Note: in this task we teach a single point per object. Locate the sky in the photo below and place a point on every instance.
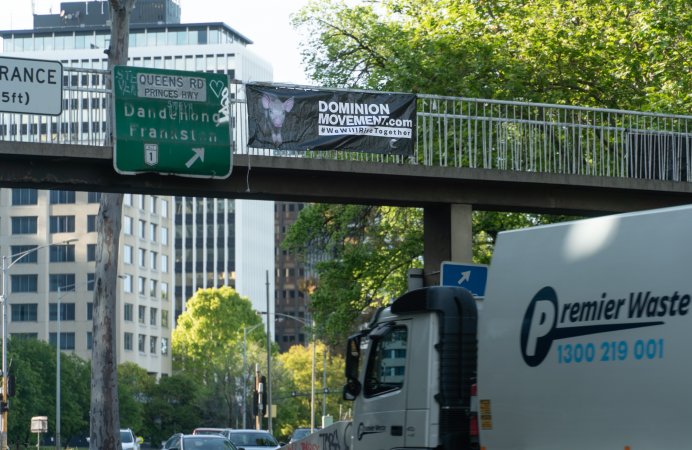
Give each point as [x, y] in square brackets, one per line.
[265, 22]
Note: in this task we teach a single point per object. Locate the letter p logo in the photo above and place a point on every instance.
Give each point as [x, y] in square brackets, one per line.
[537, 329]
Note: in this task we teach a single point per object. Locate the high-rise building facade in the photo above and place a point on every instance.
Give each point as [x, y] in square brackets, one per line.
[209, 242]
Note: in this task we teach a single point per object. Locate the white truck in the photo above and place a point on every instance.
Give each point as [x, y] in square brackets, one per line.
[581, 342]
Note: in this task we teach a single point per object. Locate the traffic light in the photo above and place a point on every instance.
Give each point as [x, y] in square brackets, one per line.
[263, 393]
[255, 403]
[4, 407]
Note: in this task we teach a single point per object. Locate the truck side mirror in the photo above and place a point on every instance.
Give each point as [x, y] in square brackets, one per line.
[351, 389]
[352, 357]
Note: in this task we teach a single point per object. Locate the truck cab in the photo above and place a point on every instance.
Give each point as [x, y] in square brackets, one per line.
[411, 371]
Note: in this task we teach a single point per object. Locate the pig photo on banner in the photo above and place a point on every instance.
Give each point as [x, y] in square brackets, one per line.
[287, 118]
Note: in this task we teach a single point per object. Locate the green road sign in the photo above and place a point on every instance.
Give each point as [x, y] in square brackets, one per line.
[171, 122]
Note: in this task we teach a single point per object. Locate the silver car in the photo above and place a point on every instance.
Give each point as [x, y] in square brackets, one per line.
[253, 440]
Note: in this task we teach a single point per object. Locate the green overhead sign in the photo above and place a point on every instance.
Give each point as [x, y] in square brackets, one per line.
[171, 122]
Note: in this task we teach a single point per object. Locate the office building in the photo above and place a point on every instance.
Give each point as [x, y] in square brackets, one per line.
[208, 242]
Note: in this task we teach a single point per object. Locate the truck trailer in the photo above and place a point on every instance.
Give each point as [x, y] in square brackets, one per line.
[581, 342]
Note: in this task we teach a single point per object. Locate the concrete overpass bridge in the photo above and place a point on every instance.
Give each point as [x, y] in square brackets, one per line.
[470, 154]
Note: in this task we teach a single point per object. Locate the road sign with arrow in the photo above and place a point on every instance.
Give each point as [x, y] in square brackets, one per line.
[470, 276]
[171, 122]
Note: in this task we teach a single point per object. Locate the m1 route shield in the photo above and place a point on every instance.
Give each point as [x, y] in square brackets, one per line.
[171, 122]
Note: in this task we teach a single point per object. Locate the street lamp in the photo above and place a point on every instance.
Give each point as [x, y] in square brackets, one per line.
[312, 391]
[246, 330]
[13, 259]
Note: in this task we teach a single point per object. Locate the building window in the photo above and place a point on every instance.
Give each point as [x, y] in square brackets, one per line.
[24, 197]
[91, 223]
[24, 225]
[61, 282]
[141, 285]
[94, 197]
[128, 312]
[26, 312]
[127, 341]
[152, 316]
[164, 263]
[90, 281]
[153, 256]
[62, 224]
[164, 346]
[152, 288]
[31, 256]
[62, 253]
[66, 340]
[164, 208]
[141, 344]
[91, 252]
[62, 197]
[66, 311]
[164, 318]
[90, 311]
[142, 257]
[142, 229]
[127, 254]
[164, 236]
[127, 198]
[142, 314]
[153, 349]
[127, 225]
[152, 205]
[164, 290]
[24, 283]
[152, 232]
[127, 283]
[90, 340]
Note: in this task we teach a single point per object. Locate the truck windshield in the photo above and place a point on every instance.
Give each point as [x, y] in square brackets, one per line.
[387, 362]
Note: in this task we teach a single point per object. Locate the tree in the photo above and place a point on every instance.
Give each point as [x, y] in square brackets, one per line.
[207, 343]
[613, 53]
[34, 363]
[173, 406]
[105, 422]
[367, 253]
[134, 385]
[295, 389]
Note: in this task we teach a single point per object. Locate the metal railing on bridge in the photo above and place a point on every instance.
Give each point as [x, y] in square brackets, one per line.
[451, 132]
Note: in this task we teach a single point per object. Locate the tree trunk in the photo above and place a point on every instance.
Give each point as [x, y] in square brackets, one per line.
[105, 417]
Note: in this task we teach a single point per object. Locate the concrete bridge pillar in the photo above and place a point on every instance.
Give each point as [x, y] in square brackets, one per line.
[447, 236]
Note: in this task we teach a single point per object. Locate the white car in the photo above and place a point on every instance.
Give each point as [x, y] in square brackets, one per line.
[128, 440]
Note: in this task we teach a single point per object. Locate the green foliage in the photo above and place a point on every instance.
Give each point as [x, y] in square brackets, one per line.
[134, 385]
[367, 252]
[33, 363]
[629, 54]
[208, 344]
[294, 412]
[173, 406]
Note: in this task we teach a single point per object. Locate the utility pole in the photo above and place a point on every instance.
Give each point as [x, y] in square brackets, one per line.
[104, 415]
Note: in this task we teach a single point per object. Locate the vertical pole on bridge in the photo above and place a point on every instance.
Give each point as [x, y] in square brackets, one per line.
[447, 236]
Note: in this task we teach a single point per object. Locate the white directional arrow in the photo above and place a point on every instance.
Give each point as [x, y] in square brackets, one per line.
[199, 154]
[465, 276]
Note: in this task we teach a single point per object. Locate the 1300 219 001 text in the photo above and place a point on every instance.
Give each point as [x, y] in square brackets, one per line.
[610, 351]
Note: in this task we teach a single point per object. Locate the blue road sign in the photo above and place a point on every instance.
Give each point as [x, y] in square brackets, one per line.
[470, 276]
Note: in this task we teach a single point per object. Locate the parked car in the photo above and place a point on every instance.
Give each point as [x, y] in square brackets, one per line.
[198, 442]
[128, 440]
[253, 440]
[226, 432]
